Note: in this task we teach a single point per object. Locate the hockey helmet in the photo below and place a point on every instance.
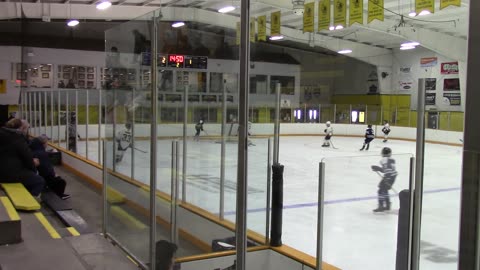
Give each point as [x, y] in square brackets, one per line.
[328, 123]
[369, 126]
[201, 121]
[386, 152]
[128, 125]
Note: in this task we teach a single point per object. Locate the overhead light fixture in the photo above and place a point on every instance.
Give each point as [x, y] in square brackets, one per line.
[346, 51]
[404, 48]
[178, 24]
[331, 28]
[412, 14]
[103, 5]
[226, 9]
[339, 27]
[73, 23]
[410, 44]
[276, 37]
[424, 12]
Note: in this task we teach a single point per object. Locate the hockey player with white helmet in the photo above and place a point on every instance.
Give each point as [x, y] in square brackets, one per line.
[328, 134]
[124, 141]
[385, 130]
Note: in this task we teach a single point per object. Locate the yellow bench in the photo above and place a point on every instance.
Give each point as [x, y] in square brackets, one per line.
[20, 197]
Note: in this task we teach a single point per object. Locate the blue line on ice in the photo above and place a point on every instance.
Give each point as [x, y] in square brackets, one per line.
[302, 205]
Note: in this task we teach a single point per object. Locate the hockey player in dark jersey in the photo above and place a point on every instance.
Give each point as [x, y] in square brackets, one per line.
[388, 178]
[198, 128]
[369, 136]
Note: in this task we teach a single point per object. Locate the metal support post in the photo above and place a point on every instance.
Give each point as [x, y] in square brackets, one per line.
[350, 115]
[60, 121]
[99, 121]
[269, 182]
[222, 152]
[320, 213]
[132, 124]
[34, 124]
[52, 106]
[173, 175]
[45, 111]
[411, 211]
[276, 128]
[67, 119]
[87, 116]
[104, 188]
[334, 113]
[184, 157]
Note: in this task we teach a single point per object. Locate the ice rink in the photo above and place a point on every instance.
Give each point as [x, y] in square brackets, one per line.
[354, 236]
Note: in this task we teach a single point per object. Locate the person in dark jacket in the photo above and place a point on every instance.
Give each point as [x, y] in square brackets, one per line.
[16, 160]
[45, 169]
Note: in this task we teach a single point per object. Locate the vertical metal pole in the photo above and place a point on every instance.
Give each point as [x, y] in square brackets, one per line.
[420, 149]
[269, 180]
[173, 213]
[76, 116]
[114, 125]
[153, 142]
[366, 113]
[104, 188]
[52, 106]
[45, 110]
[175, 194]
[320, 213]
[334, 113]
[350, 115]
[184, 158]
[40, 120]
[449, 119]
[87, 116]
[409, 117]
[242, 169]
[410, 212]
[438, 120]
[222, 152]
[276, 130]
[67, 120]
[132, 123]
[396, 115]
[34, 113]
[59, 120]
[99, 111]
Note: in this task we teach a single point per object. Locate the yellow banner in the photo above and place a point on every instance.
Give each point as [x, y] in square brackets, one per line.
[446, 3]
[375, 10]
[252, 30]
[275, 23]
[262, 28]
[238, 34]
[308, 17]
[339, 12]
[356, 12]
[323, 15]
[3, 86]
[422, 5]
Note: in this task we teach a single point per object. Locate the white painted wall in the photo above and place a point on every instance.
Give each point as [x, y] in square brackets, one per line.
[9, 55]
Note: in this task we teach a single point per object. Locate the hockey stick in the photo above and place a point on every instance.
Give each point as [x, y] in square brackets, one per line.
[140, 150]
[394, 190]
[333, 146]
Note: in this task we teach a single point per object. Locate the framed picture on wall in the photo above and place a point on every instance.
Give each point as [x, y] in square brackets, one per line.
[66, 69]
[46, 68]
[81, 69]
[431, 84]
[89, 84]
[90, 70]
[66, 76]
[81, 76]
[90, 76]
[34, 73]
[81, 83]
[45, 75]
[451, 84]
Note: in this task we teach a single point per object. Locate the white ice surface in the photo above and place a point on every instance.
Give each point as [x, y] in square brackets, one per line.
[354, 237]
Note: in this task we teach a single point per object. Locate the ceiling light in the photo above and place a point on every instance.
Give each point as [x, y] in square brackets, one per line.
[276, 37]
[412, 14]
[103, 5]
[403, 48]
[73, 23]
[410, 44]
[346, 51]
[331, 28]
[338, 27]
[226, 9]
[424, 12]
[178, 24]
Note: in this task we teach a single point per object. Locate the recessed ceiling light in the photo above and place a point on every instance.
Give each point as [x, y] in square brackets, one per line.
[404, 48]
[424, 12]
[276, 37]
[226, 9]
[103, 5]
[178, 24]
[410, 44]
[346, 51]
[338, 27]
[331, 28]
[73, 23]
[412, 14]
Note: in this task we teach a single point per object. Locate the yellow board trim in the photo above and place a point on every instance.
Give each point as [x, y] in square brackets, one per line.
[73, 231]
[127, 219]
[12, 213]
[48, 227]
[133, 261]
[20, 197]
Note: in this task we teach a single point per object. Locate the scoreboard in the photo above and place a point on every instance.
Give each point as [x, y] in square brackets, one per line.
[182, 61]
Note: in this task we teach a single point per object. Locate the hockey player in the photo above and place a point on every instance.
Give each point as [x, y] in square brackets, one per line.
[328, 134]
[369, 136]
[198, 128]
[72, 132]
[385, 130]
[124, 141]
[388, 178]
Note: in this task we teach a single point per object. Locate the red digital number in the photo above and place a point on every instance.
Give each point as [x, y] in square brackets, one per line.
[176, 58]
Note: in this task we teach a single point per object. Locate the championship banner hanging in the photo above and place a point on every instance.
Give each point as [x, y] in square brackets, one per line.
[446, 3]
[356, 12]
[339, 12]
[424, 5]
[308, 17]
[262, 28]
[238, 34]
[252, 29]
[375, 10]
[323, 15]
[275, 23]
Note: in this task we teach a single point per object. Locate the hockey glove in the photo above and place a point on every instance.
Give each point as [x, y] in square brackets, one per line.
[376, 168]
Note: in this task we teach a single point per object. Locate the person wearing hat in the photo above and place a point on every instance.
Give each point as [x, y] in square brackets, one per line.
[54, 182]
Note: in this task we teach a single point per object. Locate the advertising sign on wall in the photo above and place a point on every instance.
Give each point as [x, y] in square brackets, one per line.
[430, 84]
[451, 84]
[449, 68]
[453, 99]
[430, 98]
[428, 61]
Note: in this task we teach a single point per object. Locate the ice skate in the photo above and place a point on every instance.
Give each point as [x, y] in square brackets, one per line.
[363, 148]
[379, 209]
[385, 140]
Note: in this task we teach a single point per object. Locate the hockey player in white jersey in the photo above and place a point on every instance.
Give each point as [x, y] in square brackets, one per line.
[328, 134]
[385, 130]
[124, 141]
[388, 178]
